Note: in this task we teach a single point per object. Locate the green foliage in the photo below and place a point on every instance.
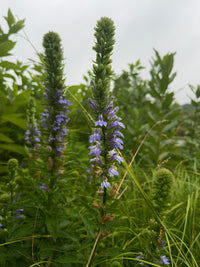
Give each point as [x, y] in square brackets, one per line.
[130, 92]
[191, 125]
[161, 144]
[148, 217]
[13, 97]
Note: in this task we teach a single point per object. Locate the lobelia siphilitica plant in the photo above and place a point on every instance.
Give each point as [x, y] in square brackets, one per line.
[160, 197]
[106, 138]
[32, 135]
[54, 117]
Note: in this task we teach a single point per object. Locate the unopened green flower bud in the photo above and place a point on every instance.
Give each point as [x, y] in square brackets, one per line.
[161, 188]
[12, 165]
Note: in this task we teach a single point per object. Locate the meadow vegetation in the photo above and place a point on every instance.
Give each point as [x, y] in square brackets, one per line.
[102, 173]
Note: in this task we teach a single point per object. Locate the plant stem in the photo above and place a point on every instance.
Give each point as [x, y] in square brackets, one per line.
[93, 249]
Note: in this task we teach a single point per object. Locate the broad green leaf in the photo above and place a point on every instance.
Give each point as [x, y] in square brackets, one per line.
[15, 119]
[5, 47]
[8, 65]
[52, 226]
[12, 147]
[6, 139]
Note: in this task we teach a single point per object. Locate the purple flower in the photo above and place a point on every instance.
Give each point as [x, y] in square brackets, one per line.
[96, 136]
[44, 187]
[116, 123]
[18, 210]
[17, 197]
[101, 122]
[45, 114]
[60, 148]
[113, 113]
[115, 156]
[1, 225]
[140, 257]
[95, 150]
[164, 260]
[97, 160]
[115, 133]
[112, 171]
[32, 136]
[18, 217]
[105, 184]
[108, 108]
[92, 104]
[116, 143]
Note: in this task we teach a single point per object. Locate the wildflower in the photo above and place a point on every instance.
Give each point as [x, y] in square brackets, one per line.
[17, 197]
[101, 122]
[18, 217]
[108, 108]
[96, 136]
[106, 138]
[97, 160]
[112, 171]
[116, 123]
[32, 135]
[44, 187]
[54, 118]
[92, 104]
[1, 225]
[140, 257]
[115, 156]
[113, 113]
[105, 184]
[164, 260]
[115, 133]
[115, 143]
[18, 210]
[95, 150]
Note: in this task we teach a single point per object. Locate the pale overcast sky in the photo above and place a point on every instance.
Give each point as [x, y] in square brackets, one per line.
[141, 25]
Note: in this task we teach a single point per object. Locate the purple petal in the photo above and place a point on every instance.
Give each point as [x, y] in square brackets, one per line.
[105, 184]
[100, 122]
[112, 171]
[92, 104]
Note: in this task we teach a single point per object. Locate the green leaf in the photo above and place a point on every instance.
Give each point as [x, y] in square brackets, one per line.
[52, 226]
[4, 138]
[14, 148]
[88, 227]
[17, 27]
[10, 18]
[15, 119]
[5, 47]
[8, 65]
